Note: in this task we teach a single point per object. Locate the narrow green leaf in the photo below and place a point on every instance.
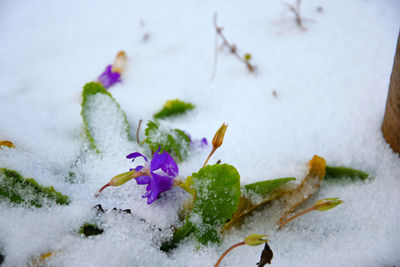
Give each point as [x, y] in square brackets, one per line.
[344, 172]
[27, 191]
[264, 188]
[105, 122]
[292, 197]
[174, 141]
[173, 108]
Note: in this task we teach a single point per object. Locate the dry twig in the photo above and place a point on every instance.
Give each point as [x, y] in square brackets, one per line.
[296, 12]
[232, 49]
[137, 132]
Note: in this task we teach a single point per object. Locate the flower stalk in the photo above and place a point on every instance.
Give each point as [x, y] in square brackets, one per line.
[321, 205]
[251, 240]
[227, 251]
[217, 141]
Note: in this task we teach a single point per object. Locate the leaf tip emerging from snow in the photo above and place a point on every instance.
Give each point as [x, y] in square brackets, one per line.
[174, 108]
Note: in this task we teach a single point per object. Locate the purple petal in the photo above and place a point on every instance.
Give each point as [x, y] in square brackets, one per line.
[152, 197]
[108, 78]
[165, 162]
[157, 161]
[158, 184]
[135, 155]
[170, 166]
[138, 168]
[144, 179]
[161, 183]
[204, 141]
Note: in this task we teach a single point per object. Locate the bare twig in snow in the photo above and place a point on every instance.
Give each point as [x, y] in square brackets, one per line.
[296, 12]
[232, 49]
[137, 132]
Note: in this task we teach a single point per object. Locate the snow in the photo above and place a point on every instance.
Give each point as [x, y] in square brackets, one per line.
[331, 83]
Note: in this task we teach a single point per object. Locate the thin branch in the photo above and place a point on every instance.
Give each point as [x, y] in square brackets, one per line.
[215, 50]
[137, 132]
[232, 48]
[296, 12]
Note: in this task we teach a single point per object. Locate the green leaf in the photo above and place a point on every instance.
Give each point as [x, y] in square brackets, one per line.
[89, 229]
[173, 108]
[27, 191]
[105, 122]
[217, 198]
[178, 236]
[264, 188]
[174, 141]
[344, 172]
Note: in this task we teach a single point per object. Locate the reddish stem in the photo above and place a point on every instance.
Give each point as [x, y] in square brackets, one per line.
[227, 251]
[209, 156]
[283, 222]
[101, 189]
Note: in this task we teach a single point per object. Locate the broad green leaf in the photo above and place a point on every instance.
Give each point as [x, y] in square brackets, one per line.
[105, 122]
[89, 229]
[174, 141]
[264, 188]
[217, 190]
[217, 198]
[344, 172]
[19, 190]
[173, 108]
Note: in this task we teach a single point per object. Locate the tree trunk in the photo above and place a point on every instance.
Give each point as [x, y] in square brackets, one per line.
[391, 121]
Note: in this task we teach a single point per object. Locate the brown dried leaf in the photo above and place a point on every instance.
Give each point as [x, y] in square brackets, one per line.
[307, 188]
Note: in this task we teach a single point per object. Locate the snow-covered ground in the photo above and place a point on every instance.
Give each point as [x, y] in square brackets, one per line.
[331, 84]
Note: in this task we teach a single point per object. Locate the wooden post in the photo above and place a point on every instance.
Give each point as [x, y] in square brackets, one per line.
[391, 121]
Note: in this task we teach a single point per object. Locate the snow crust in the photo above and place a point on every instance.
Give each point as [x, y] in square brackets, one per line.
[331, 83]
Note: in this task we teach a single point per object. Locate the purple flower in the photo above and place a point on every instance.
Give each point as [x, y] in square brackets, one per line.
[108, 78]
[194, 144]
[159, 174]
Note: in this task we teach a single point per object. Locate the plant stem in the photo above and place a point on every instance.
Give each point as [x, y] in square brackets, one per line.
[209, 156]
[137, 132]
[227, 251]
[282, 223]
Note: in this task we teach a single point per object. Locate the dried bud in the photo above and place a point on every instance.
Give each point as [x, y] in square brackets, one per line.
[119, 63]
[7, 144]
[266, 256]
[219, 136]
[327, 204]
[255, 239]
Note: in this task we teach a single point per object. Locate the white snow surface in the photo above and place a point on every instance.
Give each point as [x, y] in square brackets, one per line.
[331, 83]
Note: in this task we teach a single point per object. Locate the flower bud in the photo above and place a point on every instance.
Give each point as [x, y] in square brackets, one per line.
[122, 178]
[219, 136]
[327, 204]
[120, 62]
[7, 144]
[255, 239]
